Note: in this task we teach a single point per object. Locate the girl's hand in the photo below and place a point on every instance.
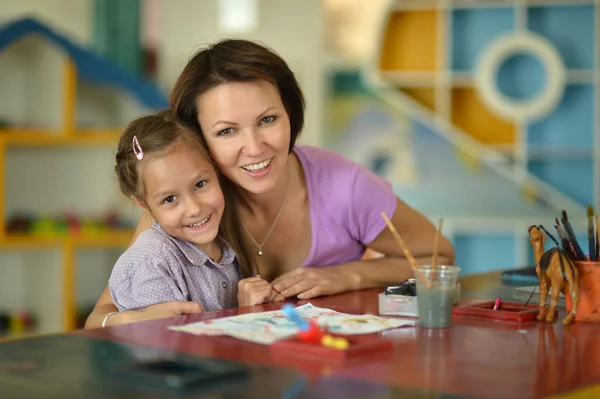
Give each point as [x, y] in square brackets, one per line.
[254, 291]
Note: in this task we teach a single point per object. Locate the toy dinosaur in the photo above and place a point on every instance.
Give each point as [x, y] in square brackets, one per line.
[556, 271]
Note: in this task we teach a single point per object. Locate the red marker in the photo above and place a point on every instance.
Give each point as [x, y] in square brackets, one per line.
[497, 304]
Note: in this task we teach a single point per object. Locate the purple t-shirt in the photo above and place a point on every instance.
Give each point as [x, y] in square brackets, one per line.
[346, 201]
[160, 268]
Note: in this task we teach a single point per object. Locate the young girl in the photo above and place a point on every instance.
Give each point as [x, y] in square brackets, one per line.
[166, 170]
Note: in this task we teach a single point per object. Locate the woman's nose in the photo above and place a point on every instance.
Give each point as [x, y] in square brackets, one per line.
[253, 144]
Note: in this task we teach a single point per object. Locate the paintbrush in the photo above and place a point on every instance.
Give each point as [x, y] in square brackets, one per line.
[571, 236]
[549, 235]
[566, 245]
[405, 249]
[597, 236]
[591, 238]
[436, 245]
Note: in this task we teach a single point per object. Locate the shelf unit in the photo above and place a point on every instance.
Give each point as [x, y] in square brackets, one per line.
[69, 136]
[429, 53]
[424, 66]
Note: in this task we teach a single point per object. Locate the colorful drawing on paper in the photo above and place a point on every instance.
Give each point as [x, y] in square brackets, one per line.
[268, 327]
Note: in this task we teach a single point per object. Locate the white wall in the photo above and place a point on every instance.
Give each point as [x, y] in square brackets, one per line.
[73, 17]
[293, 28]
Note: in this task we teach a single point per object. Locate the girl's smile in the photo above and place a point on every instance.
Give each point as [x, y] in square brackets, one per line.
[184, 196]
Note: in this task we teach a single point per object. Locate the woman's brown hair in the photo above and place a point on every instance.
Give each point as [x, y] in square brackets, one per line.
[236, 60]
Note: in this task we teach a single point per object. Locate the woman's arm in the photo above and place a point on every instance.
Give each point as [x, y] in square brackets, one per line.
[416, 230]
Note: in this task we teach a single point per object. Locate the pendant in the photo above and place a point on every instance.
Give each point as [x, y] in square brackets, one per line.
[259, 253]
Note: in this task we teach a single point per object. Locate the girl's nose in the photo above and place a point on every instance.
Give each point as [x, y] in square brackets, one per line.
[192, 208]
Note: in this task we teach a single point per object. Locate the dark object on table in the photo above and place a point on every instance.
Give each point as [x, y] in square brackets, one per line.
[522, 276]
[178, 374]
[407, 288]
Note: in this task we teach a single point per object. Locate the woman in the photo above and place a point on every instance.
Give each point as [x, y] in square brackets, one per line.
[305, 214]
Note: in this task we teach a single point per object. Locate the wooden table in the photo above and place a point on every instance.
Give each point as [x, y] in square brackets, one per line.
[473, 358]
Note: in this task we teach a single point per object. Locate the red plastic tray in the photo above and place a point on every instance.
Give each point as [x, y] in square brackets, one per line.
[509, 311]
[358, 345]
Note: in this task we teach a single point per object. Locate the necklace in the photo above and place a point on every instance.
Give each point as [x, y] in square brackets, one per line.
[260, 251]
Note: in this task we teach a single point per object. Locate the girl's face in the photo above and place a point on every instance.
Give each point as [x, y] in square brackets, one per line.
[183, 194]
[247, 131]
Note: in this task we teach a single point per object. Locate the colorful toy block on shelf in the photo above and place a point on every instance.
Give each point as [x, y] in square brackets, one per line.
[67, 225]
[16, 323]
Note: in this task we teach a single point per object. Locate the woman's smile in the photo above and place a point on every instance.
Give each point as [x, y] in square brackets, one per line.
[259, 169]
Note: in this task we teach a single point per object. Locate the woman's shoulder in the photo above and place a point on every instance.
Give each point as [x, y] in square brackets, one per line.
[323, 156]
[323, 165]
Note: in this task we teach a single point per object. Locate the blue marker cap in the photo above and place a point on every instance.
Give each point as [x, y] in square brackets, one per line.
[290, 312]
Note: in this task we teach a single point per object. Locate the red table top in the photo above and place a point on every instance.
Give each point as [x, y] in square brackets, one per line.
[473, 357]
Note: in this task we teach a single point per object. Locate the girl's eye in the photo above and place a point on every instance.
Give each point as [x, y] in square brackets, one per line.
[267, 120]
[169, 199]
[200, 184]
[225, 131]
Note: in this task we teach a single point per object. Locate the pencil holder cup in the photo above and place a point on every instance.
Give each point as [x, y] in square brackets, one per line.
[588, 308]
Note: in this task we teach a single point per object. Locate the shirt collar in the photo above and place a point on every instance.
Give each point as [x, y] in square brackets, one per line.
[194, 254]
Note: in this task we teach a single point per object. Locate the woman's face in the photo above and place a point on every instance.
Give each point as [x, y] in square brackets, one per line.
[247, 130]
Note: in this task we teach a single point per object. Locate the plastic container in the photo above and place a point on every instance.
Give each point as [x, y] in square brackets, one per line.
[435, 294]
[588, 308]
[403, 305]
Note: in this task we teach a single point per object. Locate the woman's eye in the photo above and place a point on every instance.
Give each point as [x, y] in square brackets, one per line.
[225, 131]
[169, 199]
[200, 184]
[267, 119]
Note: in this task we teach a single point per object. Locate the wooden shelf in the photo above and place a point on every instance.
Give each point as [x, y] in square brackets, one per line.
[47, 138]
[109, 239]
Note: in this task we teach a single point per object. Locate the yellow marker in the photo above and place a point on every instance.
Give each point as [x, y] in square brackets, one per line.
[329, 341]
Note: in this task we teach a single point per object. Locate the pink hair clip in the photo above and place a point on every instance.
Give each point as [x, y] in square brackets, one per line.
[137, 149]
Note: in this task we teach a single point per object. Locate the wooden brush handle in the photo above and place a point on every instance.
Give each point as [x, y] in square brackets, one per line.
[405, 249]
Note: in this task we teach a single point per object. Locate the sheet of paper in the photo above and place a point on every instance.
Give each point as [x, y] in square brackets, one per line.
[268, 327]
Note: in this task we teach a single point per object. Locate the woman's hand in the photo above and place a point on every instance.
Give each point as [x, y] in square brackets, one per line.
[158, 311]
[310, 282]
[255, 290]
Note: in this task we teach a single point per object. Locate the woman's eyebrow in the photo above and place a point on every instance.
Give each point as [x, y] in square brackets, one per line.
[225, 122]
[259, 116]
[265, 111]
